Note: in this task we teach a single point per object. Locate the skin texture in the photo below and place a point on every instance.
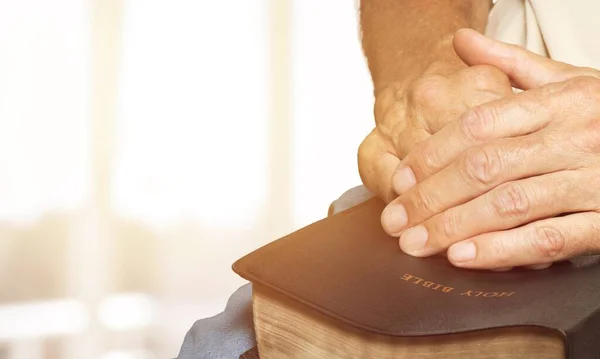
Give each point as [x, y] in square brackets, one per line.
[401, 38]
[420, 83]
[513, 181]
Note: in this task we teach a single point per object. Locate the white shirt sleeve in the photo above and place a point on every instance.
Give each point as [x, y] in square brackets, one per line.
[566, 31]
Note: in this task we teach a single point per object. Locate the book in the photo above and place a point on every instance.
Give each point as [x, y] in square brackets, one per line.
[341, 288]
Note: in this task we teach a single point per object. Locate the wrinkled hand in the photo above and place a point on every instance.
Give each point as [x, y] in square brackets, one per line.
[408, 113]
[512, 182]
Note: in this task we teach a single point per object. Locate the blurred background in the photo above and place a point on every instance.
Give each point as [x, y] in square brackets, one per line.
[145, 145]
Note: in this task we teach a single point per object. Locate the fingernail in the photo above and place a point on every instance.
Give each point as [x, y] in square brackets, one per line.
[413, 240]
[404, 179]
[462, 252]
[394, 219]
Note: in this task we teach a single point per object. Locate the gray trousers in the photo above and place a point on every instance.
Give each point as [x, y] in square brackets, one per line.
[229, 334]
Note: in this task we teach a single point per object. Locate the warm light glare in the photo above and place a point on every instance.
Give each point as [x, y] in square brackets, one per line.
[192, 134]
[126, 312]
[42, 319]
[332, 103]
[145, 145]
[44, 104]
[128, 354]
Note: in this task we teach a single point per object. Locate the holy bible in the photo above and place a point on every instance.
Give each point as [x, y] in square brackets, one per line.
[341, 288]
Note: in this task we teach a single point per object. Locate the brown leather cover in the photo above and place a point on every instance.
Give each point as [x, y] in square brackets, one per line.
[250, 354]
[346, 267]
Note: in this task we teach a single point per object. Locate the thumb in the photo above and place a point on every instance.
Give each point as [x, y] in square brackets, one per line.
[525, 69]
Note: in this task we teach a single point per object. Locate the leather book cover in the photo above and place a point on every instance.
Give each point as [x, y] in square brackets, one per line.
[250, 354]
[348, 268]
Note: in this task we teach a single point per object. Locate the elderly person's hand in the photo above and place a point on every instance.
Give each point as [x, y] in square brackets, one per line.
[512, 182]
[409, 112]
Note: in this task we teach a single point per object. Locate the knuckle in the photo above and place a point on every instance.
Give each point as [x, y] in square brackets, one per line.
[482, 165]
[585, 83]
[500, 250]
[583, 142]
[511, 201]
[423, 202]
[364, 149]
[592, 181]
[548, 242]
[369, 149]
[485, 77]
[427, 89]
[429, 160]
[384, 103]
[585, 89]
[370, 155]
[477, 123]
[589, 71]
[450, 224]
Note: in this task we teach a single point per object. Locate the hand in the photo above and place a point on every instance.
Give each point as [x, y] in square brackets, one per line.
[512, 182]
[408, 113]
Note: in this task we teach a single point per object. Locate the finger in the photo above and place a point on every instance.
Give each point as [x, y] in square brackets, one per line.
[480, 84]
[516, 115]
[475, 172]
[428, 103]
[433, 101]
[480, 169]
[532, 267]
[526, 69]
[507, 206]
[539, 266]
[376, 164]
[548, 240]
[407, 139]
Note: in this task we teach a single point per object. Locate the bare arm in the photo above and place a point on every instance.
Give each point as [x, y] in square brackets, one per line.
[420, 83]
[402, 38]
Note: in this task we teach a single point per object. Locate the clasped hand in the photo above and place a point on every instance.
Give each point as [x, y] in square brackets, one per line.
[514, 181]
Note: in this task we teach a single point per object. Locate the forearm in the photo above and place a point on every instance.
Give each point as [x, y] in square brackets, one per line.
[401, 38]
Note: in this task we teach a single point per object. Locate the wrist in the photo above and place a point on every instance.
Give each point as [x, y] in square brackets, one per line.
[441, 59]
